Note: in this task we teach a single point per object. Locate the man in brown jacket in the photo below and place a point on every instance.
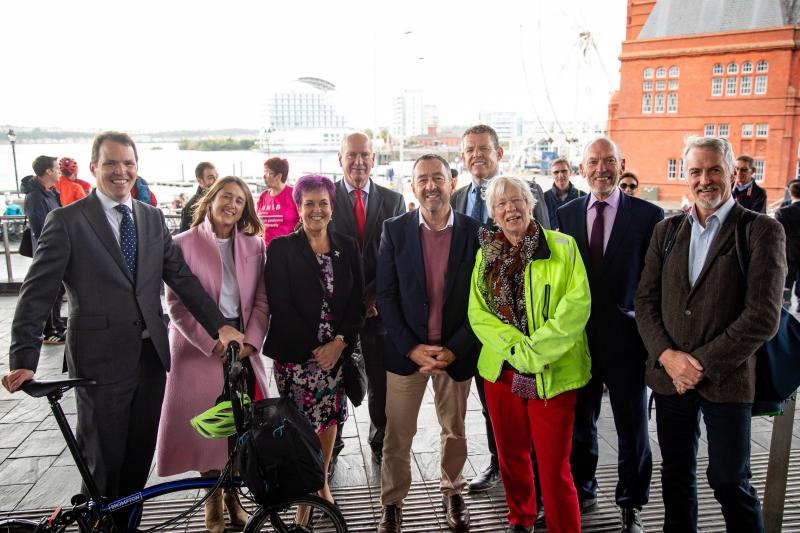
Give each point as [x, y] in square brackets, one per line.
[702, 320]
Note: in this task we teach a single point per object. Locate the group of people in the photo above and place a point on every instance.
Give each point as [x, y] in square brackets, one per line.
[543, 298]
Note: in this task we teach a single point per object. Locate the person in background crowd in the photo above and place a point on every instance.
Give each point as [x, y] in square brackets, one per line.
[68, 189]
[117, 334]
[225, 251]
[440, 245]
[562, 191]
[12, 208]
[206, 174]
[41, 197]
[612, 231]
[69, 168]
[411, 206]
[275, 206]
[628, 183]
[789, 217]
[315, 293]
[141, 191]
[528, 306]
[702, 320]
[360, 210]
[179, 201]
[745, 190]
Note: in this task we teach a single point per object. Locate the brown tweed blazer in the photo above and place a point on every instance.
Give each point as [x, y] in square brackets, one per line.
[724, 318]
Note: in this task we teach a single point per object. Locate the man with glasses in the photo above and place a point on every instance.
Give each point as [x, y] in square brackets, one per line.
[563, 190]
[628, 183]
[613, 231]
[745, 191]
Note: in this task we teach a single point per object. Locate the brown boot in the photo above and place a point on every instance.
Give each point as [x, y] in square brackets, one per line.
[236, 512]
[215, 519]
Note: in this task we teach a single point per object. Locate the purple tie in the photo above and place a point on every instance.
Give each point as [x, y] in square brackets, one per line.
[598, 234]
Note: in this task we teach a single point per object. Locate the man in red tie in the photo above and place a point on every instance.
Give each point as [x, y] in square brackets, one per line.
[360, 209]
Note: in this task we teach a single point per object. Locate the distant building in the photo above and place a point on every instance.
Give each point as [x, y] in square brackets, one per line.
[430, 116]
[723, 68]
[503, 122]
[408, 118]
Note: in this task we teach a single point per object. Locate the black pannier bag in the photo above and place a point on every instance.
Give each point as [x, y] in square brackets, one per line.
[280, 455]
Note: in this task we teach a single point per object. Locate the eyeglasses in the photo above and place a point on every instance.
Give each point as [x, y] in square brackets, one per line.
[516, 201]
[631, 186]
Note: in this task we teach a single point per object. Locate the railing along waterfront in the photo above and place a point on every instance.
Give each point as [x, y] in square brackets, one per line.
[12, 227]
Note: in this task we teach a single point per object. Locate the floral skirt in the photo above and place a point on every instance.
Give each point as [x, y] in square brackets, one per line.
[317, 392]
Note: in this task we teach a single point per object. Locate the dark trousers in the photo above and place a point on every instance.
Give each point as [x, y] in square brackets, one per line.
[118, 425]
[792, 278]
[728, 434]
[55, 324]
[628, 397]
[492, 445]
[372, 346]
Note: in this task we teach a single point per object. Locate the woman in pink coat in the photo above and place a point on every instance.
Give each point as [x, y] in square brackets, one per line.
[225, 251]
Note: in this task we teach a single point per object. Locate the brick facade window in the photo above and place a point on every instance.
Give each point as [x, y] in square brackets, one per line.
[708, 131]
[747, 130]
[648, 73]
[716, 86]
[717, 69]
[682, 175]
[674, 71]
[733, 68]
[659, 105]
[758, 175]
[671, 167]
[762, 66]
[661, 85]
[661, 72]
[747, 67]
[647, 103]
[761, 84]
[647, 85]
[746, 85]
[672, 103]
[723, 130]
[762, 130]
[673, 85]
[730, 86]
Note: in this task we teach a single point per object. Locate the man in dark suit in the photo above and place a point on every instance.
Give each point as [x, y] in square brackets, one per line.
[745, 190]
[562, 191]
[789, 217]
[612, 231]
[360, 209]
[424, 269]
[112, 264]
[206, 175]
[702, 319]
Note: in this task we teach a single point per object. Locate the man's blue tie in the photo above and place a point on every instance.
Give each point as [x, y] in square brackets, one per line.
[477, 207]
[127, 241]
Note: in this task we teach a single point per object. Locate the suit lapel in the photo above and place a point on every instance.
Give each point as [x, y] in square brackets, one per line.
[345, 218]
[619, 229]
[726, 233]
[457, 243]
[461, 201]
[374, 207]
[582, 237]
[415, 252]
[96, 216]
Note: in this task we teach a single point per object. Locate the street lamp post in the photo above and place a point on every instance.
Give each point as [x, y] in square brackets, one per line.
[12, 138]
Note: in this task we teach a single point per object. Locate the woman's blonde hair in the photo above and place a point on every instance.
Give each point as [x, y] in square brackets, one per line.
[249, 224]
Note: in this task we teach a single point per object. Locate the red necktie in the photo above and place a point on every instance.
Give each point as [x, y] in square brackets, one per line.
[361, 216]
[598, 235]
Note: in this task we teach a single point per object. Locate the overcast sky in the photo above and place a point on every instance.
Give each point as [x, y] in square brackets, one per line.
[154, 65]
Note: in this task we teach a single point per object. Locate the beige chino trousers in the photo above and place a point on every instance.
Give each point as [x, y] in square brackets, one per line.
[403, 400]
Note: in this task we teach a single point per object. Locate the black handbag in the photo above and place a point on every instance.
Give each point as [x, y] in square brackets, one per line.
[354, 376]
[778, 367]
[26, 244]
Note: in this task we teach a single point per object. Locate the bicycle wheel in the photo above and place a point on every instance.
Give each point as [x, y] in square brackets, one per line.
[321, 517]
[17, 526]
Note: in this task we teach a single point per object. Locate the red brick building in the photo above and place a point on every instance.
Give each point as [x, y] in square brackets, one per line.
[722, 67]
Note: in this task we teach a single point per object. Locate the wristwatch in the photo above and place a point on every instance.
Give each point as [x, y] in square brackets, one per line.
[341, 338]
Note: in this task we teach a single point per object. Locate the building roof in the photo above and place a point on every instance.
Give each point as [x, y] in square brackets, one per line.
[671, 18]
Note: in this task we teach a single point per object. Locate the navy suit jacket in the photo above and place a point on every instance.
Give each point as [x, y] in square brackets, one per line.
[612, 332]
[403, 298]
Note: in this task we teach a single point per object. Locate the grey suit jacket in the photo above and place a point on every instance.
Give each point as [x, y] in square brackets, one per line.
[458, 201]
[721, 320]
[108, 310]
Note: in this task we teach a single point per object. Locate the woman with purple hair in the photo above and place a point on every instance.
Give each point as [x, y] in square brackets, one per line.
[314, 288]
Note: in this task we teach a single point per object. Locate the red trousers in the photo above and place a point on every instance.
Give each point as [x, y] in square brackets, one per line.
[548, 423]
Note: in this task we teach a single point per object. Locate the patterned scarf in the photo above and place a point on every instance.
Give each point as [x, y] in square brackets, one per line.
[503, 264]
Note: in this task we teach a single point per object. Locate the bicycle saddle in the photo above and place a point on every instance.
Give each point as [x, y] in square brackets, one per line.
[37, 389]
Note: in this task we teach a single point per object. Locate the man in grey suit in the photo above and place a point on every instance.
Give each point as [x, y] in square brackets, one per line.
[702, 318]
[112, 264]
[359, 211]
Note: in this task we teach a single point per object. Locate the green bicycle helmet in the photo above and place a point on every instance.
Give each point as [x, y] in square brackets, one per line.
[217, 422]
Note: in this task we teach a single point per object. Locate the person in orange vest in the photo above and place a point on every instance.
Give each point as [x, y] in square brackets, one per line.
[68, 190]
[69, 168]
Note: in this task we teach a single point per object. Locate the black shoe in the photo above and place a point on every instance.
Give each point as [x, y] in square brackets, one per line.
[540, 521]
[377, 457]
[456, 513]
[391, 519]
[631, 521]
[485, 480]
[588, 505]
[516, 528]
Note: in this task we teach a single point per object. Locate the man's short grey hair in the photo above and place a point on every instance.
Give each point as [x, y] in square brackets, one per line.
[601, 138]
[343, 145]
[499, 184]
[717, 144]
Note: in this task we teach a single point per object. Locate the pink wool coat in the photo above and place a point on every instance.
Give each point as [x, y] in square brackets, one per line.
[195, 380]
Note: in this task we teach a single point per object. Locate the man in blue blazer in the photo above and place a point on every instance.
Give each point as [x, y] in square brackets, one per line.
[613, 231]
[425, 264]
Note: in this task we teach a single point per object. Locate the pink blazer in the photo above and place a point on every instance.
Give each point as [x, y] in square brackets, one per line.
[195, 380]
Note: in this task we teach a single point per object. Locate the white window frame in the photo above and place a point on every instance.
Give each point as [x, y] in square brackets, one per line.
[747, 130]
[672, 103]
[648, 73]
[682, 174]
[661, 85]
[760, 84]
[709, 130]
[716, 86]
[674, 71]
[723, 130]
[671, 169]
[762, 130]
[730, 86]
[760, 169]
[746, 85]
[659, 104]
[762, 66]
[747, 67]
[733, 68]
[673, 85]
[661, 72]
[717, 69]
[647, 103]
[647, 85]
